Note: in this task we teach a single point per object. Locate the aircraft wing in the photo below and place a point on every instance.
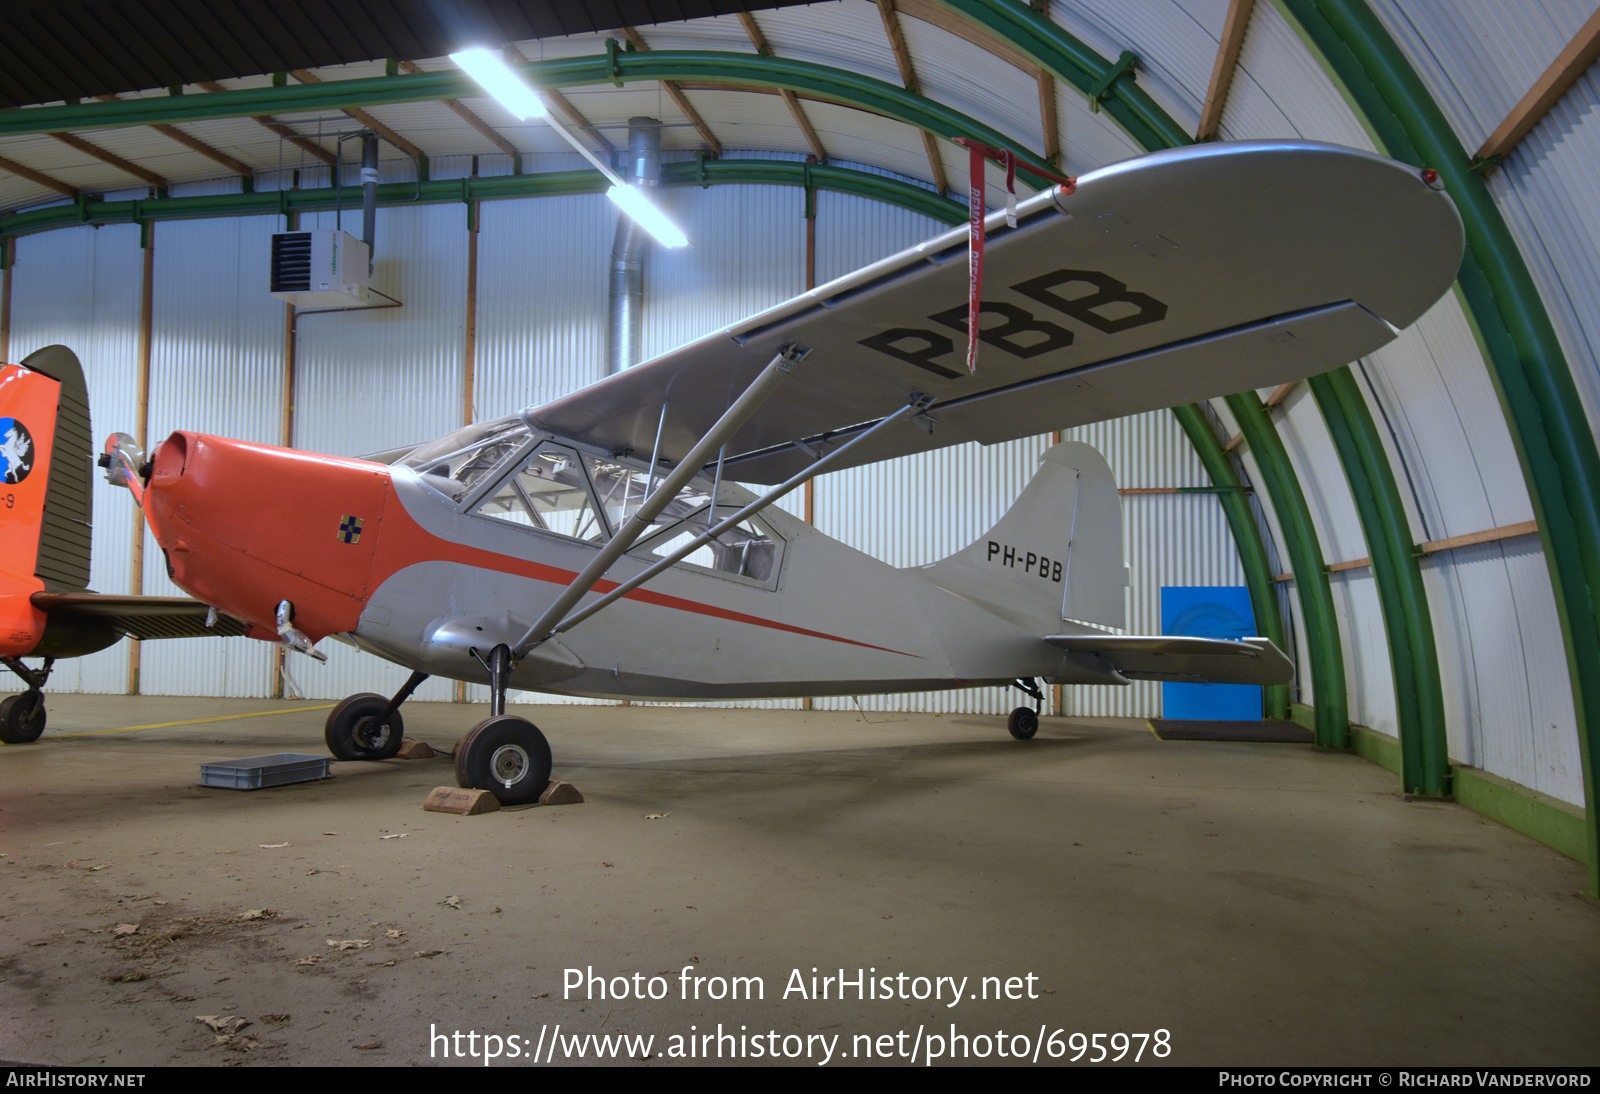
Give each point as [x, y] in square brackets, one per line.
[1188, 660]
[1177, 276]
[141, 617]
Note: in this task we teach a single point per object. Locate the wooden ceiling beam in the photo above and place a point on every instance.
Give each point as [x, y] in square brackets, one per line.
[273, 125]
[238, 167]
[37, 178]
[369, 121]
[1047, 104]
[908, 77]
[465, 114]
[72, 140]
[759, 40]
[674, 91]
[1233, 28]
[1547, 90]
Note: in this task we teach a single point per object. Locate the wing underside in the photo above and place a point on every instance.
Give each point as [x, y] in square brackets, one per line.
[1162, 280]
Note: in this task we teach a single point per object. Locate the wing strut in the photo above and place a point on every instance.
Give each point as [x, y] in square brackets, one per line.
[735, 416]
[919, 402]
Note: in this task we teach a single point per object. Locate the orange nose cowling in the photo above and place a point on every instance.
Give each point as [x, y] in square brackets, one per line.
[245, 526]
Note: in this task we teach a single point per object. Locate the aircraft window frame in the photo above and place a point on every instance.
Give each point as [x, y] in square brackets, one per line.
[526, 454]
[646, 545]
[462, 442]
[490, 485]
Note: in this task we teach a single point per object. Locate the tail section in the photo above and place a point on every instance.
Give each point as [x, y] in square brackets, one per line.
[1057, 553]
[46, 462]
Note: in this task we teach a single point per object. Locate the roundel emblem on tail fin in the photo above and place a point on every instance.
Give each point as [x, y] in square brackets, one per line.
[16, 451]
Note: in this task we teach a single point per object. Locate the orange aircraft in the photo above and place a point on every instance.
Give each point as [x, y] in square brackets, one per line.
[46, 505]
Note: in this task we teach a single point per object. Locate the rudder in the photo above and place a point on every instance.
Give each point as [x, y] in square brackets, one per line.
[47, 488]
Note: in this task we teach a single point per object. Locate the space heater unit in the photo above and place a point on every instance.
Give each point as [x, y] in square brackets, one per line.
[321, 269]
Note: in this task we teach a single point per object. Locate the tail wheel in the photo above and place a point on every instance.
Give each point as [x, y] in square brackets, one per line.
[506, 756]
[1023, 723]
[354, 730]
[22, 718]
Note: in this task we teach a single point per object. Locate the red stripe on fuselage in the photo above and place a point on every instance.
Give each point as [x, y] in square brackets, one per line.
[403, 542]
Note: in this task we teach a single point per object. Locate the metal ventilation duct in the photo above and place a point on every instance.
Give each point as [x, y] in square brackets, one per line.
[625, 304]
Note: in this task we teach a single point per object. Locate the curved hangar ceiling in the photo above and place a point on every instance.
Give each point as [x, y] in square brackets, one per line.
[1484, 420]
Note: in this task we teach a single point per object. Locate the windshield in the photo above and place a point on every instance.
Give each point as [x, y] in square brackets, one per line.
[455, 461]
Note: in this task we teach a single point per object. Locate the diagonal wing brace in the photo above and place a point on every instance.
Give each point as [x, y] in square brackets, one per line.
[918, 403]
[735, 416]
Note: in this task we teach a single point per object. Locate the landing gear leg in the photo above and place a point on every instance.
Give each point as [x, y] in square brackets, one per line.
[1024, 722]
[368, 726]
[503, 754]
[22, 716]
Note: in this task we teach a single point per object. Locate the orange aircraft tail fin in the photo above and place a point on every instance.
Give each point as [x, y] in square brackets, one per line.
[46, 468]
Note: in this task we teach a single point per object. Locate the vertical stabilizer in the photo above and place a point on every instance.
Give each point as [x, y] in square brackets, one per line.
[49, 431]
[1057, 553]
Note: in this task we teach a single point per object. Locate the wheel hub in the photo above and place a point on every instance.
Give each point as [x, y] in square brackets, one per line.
[372, 733]
[509, 765]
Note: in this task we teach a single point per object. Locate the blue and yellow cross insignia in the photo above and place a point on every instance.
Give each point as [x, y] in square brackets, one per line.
[350, 529]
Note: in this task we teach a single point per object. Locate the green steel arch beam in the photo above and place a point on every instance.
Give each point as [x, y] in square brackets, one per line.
[1247, 539]
[1112, 84]
[1419, 694]
[545, 184]
[1332, 724]
[1560, 461]
[613, 66]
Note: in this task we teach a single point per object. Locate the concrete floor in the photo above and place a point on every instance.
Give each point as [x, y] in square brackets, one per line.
[1264, 904]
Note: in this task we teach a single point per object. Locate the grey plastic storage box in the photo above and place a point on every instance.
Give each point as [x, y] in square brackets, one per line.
[255, 772]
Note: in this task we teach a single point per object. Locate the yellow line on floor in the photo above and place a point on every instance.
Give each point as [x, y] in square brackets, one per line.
[1148, 724]
[190, 722]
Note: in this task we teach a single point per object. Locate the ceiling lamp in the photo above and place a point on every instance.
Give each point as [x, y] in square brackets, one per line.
[496, 77]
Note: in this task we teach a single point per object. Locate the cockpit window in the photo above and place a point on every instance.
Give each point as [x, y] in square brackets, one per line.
[454, 462]
[548, 492]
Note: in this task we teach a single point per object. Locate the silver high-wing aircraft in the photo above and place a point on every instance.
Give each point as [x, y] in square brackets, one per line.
[517, 552]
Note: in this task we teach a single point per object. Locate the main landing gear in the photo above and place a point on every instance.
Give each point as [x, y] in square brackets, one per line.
[503, 754]
[1024, 722]
[22, 716]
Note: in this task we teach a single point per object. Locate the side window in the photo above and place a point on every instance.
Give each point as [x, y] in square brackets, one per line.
[748, 549]
[621, 491]
[550, 491]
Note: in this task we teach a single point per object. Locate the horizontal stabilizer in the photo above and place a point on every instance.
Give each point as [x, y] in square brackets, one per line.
[141, 617]
[1184, 660]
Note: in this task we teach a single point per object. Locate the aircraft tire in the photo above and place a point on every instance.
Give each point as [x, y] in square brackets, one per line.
[506, 756]
[22, 718]
[352, 735]
[1023, 723]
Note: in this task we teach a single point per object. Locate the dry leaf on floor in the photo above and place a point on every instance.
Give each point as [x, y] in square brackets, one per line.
[429, 953]
[125, 928]
[223, 1023]
[271, 846]
[451, 902]
[313, 959]
[397, 835]
[350, 943]
[258, 913]
[657, 816]
[393, 933]
[369, 1046]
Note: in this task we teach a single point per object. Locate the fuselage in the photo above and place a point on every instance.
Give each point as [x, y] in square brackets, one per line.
[461, 548]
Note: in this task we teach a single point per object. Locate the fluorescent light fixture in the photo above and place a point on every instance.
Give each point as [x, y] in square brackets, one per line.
[491, 71]
[646, 215]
